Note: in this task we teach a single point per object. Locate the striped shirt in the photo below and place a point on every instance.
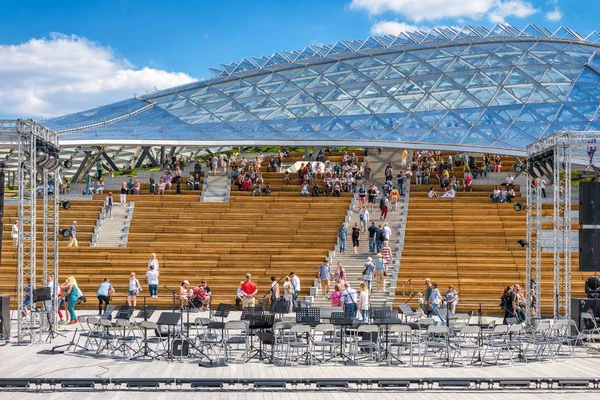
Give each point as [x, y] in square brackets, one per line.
[386, 253]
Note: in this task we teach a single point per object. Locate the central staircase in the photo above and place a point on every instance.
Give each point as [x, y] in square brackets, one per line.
[353, 263]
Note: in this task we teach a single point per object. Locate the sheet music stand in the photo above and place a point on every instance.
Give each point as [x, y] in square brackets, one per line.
[281, 307]
[343, 320]
[309, 316]
[385, 317]
[223, 311]
[42, 294]
[248, 311]
[108, 312]
[260, 322]
[170, 320]
[125, 312]
[146, 312]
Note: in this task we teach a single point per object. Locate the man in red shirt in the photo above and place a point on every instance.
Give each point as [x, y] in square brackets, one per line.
[249, 290]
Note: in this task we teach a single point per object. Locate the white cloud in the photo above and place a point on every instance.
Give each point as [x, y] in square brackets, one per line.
[556, 14]
[510, 8]
[62, 74]
[431, 10]
[393, 28]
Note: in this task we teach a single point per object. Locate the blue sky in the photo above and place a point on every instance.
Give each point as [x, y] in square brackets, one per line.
[107, 50]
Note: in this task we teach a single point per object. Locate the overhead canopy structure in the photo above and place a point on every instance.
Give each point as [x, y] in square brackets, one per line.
[471, 88]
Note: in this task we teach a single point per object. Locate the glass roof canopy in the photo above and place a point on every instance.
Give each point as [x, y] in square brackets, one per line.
[471, 88]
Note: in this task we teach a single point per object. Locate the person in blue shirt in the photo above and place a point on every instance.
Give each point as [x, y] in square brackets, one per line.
[104, 293]
[73, 235]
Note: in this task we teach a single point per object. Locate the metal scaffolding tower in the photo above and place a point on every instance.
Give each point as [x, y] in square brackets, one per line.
[566, 148]
[34, 143]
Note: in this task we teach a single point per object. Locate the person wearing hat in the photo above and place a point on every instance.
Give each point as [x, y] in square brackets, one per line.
[183, 293]
[380, 271]
[249, 290]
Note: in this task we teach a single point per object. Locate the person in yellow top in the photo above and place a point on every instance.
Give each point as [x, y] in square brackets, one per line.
[404, 156]
[394, 197]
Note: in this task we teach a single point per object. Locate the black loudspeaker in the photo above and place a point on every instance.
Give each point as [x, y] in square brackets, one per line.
[589, 203]
[579, 306]
[5, 316]
[589, 246]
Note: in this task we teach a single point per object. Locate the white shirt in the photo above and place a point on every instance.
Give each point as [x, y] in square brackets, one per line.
[451, 193]
[154, 262]
[542, 184]
[388, 231]
[349, 296]
[14, 231]
[133, 284]
[364, 297]
[296, 283]
[152, 277]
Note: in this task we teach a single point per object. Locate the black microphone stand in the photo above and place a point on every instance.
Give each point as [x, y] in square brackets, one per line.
[174, 293]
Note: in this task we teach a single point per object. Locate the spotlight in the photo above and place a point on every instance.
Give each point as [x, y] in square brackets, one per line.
[519, 207]
[41, 156]
[534, 170]
[592, 287]
[547, 165]
[66, 204]
[68, 164]
[53, 162]
[520, 169]
[65, 233]
[522, 243]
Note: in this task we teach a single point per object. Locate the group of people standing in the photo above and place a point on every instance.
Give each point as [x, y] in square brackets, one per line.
[432, 301]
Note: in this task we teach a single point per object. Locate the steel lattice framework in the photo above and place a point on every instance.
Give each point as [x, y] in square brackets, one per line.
[25, 135]
[567, 148]
[472, 89]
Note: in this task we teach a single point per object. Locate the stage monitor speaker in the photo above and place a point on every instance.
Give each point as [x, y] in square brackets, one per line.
[5, 316]
[589, 246]
[589, 203]
[579, 306]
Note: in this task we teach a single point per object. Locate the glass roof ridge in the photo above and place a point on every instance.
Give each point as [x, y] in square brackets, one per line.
[436, 34]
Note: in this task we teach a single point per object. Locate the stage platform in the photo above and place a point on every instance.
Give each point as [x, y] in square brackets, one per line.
[25, 362]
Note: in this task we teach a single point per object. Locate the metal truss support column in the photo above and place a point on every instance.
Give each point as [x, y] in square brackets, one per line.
[26, 251]
[533, 267]
[110, 162]
[50, 235]
[562, 227]
[146, 153]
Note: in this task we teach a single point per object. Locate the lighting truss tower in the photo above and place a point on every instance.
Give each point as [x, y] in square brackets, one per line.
[567, 148]
[562, 226]
[534, 250]
[26, 135]
[50, 233]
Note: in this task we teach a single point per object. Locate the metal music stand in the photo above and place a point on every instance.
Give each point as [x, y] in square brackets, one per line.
[222, 311]
[170, 320]
[260, 322]
[146, 312]
[125, 312]
[108, 312]
[42, 294]
[281, 307]
[343, 320]
[385, 317]
[248, 311]
[309, 316]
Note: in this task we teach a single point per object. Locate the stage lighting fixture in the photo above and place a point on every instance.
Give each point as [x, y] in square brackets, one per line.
[520, 169]
[519, 207]
[53, 162]
[65, 233]
[592, 287]
[522, 243]
[547, 166]
[66, 204]
[41, 156]
[68, 164]
[534, 170]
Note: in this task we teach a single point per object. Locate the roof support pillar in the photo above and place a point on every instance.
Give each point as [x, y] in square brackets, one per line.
[110, 161]
[146, 153]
